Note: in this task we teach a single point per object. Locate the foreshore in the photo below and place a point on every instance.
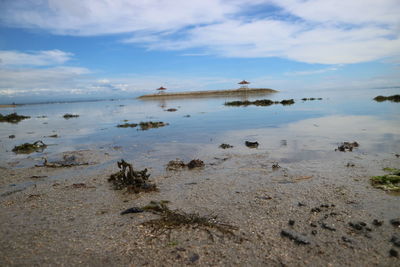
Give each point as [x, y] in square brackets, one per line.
[228, 92]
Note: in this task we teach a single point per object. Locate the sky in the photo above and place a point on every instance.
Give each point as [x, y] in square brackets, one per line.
[96, 49]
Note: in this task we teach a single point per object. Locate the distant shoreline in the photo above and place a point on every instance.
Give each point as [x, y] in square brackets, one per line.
[209, 93]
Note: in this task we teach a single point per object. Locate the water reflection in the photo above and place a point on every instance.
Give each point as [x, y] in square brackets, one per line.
[305, 130]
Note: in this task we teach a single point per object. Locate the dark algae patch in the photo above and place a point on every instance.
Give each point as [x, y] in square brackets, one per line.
[70, 116]
[127, 125]
[173, 219]
[28, 148]
[311, 98]
[393, 98]
[67, 161]
[387, 182]
[225, 146]
[251, 144]
[262, 102]
[178, 164]
[135, 181]
[12, 118]
[151, 124]
[347, 146]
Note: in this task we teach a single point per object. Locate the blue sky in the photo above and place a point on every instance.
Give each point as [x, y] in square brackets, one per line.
[55, 49]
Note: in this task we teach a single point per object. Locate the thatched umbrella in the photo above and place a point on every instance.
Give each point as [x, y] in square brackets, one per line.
[161, 89]
[244, 84]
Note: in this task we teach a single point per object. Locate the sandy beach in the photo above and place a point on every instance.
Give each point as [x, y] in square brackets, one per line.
[71, 216]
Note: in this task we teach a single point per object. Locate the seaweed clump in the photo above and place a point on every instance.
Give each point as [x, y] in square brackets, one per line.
[311, 98]
[261, 102]
[387, 182]
[174, 165]
[69, 116]
[173, 219]
[151, 124]
[347, 146]
[177, 164]
[28, 148]
[134, 181]
[12, 118]
[225, 146]
[393, 98]
[127, 125]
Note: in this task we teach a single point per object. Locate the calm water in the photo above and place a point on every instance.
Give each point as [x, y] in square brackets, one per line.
[305, 130]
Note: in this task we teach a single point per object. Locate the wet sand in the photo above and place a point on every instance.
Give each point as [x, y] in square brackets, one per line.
[50, 221]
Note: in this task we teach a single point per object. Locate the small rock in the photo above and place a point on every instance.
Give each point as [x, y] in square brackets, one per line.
[395, 222]
[300, 204]
[395, 240]
[194, 257]
[393, 253]
[251, 144]
[347, 240]
[11, 136]
[132, 210]
[291, 222]
[357, 226]
[376, 222]
[275, 166]
[328, 227]
[314, 232]
[315, 210]
[313, 225]
[297, 238]
[171, 110]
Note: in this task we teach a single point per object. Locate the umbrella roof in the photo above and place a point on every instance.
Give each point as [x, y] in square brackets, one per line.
[244, 82]
[162, 88]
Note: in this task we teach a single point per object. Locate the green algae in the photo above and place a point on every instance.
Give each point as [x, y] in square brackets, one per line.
[28, 148]
[388, 182]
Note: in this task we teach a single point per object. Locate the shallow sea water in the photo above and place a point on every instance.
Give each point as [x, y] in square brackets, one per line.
[306, 130]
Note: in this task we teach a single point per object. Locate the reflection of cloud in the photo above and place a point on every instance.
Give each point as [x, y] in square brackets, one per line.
[321, 133]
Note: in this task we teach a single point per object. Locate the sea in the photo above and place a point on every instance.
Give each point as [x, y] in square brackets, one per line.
[305, 130]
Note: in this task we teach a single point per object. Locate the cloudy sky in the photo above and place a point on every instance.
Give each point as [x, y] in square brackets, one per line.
[103, 48]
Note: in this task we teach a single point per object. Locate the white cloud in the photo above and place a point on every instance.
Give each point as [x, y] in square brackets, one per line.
[93, 17]
[37, 58]
[313, 31]
[311, 72]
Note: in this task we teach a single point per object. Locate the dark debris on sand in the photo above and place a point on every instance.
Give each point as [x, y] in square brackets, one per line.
[173, 219]
[67, 161]
[134, 181]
